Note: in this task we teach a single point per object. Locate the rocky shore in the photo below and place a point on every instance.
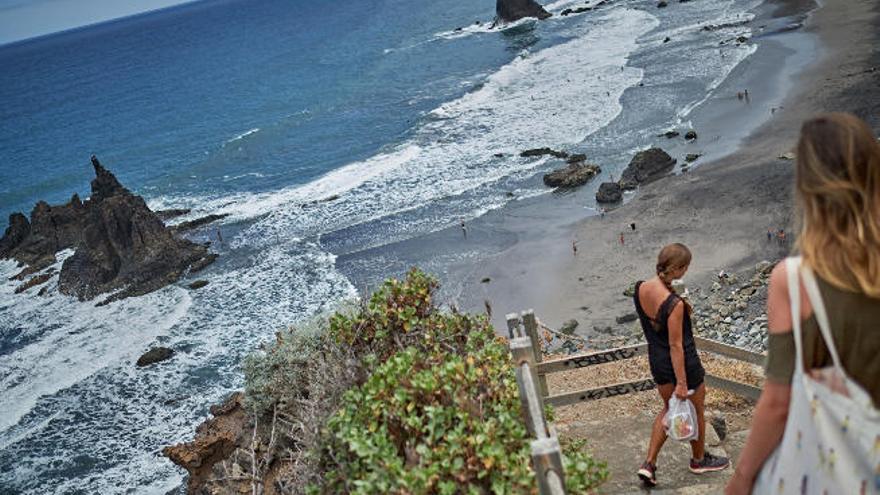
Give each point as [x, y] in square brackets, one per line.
[120, 248]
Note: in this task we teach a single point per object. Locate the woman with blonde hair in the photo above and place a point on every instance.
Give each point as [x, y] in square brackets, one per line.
[816, 427]
[672, 356]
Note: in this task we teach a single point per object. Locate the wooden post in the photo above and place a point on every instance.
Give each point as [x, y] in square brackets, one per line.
[513, 330]
[531, 326]
[530, 399]
[547, 460]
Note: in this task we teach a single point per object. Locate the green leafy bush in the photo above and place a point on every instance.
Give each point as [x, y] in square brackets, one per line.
[441, 416]
[399, 397]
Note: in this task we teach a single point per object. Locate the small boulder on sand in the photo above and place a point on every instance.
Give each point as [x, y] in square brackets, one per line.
[609, 192]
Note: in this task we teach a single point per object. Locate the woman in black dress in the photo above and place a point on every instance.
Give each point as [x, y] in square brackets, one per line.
[672, 354]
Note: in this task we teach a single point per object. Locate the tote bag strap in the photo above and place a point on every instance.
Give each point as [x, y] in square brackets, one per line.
[821, 315]
[792, 268]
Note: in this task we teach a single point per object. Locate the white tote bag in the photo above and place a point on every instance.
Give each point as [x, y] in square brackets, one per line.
[831, 443]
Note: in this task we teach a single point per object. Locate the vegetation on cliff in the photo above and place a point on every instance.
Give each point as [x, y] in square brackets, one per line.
[394, 396]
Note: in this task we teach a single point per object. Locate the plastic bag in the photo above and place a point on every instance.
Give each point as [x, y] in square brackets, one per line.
[681, 420]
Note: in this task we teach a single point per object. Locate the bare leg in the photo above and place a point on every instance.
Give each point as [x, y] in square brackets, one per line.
[698, 446]
[658, 433]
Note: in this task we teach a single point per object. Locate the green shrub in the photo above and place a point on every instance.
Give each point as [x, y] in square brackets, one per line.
[442, 416]
[395, 396]
[277, 375]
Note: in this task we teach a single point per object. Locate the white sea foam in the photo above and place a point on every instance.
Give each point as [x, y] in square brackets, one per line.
[243, 135]
[76, 376]
[555, 97]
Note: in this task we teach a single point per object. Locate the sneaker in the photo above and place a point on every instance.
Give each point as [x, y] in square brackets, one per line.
[648, 474]
[709, 463]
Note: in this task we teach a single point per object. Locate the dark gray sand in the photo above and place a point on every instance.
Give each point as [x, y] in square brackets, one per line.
[722, 209]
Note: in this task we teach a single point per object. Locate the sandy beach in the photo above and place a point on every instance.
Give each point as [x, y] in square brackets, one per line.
[721, 209]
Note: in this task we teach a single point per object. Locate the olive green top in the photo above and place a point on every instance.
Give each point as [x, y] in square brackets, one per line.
[855, 326]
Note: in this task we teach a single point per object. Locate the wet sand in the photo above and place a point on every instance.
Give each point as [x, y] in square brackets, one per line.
[721, 209]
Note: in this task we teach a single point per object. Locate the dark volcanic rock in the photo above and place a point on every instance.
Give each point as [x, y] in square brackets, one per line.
[609, 192]
[692, 157]
[155, 355]
[198, 284]
[172, 213]
[574, 175]
[53, 228]
[33, 282]
[575, 158]
[661, 4]
[18, 230]
[198, 222]
[514, 10]
[669, 134]
[691, 135]
[646, 166]
[544, 151]
[119, 243]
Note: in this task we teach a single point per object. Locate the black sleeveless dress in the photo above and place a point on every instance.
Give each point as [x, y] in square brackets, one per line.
[657, 335]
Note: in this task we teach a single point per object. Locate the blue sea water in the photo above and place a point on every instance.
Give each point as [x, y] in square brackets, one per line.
[258, 109]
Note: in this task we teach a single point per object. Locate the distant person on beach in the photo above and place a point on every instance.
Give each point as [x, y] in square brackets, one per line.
[219, 236]
[746, 95]
[821, 394]
[621, 238]
[672, 355]
[602, 213]
[463, 227]
[769, 235]
[574, 247]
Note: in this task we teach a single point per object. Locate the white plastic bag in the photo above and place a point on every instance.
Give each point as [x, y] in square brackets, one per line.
[681, 420]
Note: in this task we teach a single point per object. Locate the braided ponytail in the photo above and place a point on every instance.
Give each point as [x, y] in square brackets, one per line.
[672, 257]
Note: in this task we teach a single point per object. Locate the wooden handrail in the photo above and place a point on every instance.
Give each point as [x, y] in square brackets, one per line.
[743, 389]
[704, 344]
[591, 359]
[600, 392]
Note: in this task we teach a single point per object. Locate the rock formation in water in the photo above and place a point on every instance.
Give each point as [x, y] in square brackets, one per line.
[646, 166]
[574, 175]
[514, 10]
[119, 244]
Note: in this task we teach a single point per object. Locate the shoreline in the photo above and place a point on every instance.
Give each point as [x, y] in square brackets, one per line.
[721, 209]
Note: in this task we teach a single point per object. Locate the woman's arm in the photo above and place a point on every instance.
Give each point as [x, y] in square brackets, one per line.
[771, 413]
[676, 349]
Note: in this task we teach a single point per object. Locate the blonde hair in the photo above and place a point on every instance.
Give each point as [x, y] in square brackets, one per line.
[837, 190]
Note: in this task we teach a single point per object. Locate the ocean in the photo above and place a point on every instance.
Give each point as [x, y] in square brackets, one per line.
[332, 134]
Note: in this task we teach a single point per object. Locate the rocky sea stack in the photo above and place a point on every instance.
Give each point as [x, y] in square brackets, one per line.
[646, 166]
[514, 10]
[119, 244]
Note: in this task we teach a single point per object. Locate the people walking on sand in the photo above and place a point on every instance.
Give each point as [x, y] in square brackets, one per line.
[780, 236]
[672, 355]
[746, 95]
[621, 238]
[463, 227]
[574, 247]
[821, 394]
[769, 235]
